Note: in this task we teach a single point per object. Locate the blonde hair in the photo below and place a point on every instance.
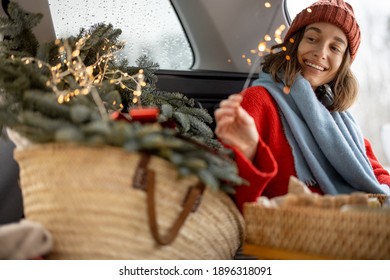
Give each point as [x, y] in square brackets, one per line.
[284, 58]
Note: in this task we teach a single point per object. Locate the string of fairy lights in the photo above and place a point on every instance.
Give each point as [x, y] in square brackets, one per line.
[87, 78]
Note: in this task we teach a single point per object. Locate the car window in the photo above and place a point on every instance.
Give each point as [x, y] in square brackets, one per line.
[149, 28]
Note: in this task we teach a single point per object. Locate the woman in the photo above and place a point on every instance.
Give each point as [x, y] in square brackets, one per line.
[293, 120]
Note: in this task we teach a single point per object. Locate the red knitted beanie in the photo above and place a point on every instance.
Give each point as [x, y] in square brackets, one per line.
[336, 12]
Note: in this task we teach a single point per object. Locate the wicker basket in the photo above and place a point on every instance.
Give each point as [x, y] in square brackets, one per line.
[105, 203]
[320, 232]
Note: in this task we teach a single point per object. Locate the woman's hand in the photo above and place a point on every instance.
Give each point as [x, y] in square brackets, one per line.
[235, 127]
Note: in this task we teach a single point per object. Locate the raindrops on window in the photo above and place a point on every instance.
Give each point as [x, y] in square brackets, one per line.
[148, 27]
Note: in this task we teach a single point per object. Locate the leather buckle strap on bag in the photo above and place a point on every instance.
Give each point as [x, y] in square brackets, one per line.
[144, 179]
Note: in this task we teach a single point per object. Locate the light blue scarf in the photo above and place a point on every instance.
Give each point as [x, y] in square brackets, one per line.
[328, 147]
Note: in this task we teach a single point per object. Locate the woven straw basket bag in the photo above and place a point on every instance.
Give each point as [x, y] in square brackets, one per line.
[320, 232]
[105, 203]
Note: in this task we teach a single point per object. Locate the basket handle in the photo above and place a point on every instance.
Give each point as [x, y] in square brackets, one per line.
[147, 182]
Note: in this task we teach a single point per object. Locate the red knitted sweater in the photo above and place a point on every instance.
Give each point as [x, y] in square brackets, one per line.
[269, 173]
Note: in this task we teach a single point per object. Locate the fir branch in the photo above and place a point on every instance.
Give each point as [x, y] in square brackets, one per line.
[48, 52]
[200, 128]
[46, 103]
[149, 67]
[38, 120]
[200, 113]
[17, 30]
[176, 99]
[166, 112]
[191, 121]
[110, 97]
[101, 39]
[7, 118]
[183, 120]
[14, 77]
[217, 146]
[34, 134]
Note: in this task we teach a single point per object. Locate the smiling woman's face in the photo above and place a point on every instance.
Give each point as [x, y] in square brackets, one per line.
[321, 52]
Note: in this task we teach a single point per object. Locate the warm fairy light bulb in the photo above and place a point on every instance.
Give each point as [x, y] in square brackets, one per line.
[89, 70]
[292, 40]
[75, 53]
[284, 48]
[278, 40]
[267, 4]
[286, 89]
[262, 46]
[278, 33]
[308, 10]
[249, 61]
[267, 38]
[288, 57]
